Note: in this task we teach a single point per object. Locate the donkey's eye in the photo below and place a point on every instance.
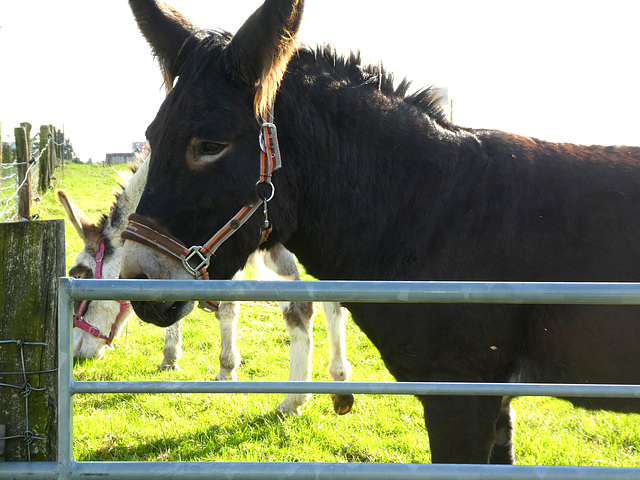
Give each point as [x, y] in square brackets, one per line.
[204, 152]
[80, 271]
[211, 148]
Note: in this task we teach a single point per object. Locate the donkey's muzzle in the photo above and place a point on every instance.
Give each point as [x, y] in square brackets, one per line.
[162, 314]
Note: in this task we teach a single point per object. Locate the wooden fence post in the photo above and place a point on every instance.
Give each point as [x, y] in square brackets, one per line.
[63, 153]
[45, 160]
[27, 127]
[64, 148]
[59, 142]
[32, 257]
[24, 173]
[52, 149]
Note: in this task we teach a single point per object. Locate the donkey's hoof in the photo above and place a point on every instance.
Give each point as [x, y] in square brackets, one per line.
[169, 367]
[223, 376]
[287, 409]
[342, 403]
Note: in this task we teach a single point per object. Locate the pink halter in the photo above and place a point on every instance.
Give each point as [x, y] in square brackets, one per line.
[78, 319]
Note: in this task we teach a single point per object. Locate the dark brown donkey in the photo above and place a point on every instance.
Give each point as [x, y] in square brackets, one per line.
[377, 185]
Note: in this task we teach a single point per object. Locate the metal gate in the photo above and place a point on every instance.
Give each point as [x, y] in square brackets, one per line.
[414, 292]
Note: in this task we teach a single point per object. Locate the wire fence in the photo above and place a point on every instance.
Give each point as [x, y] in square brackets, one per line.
[22, 386]
[10, 187]
[11, 183]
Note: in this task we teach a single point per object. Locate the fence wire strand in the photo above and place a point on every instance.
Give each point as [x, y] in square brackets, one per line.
[8, 204]
[25, 389]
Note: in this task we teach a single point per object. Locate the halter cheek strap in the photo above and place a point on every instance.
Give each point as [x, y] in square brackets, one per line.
[197, 258]
[78, 318]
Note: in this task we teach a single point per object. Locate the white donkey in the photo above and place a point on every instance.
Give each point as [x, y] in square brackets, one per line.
[97, 323]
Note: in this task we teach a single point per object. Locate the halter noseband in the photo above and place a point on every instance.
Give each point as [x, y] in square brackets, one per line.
[197, 258]
[78, 318]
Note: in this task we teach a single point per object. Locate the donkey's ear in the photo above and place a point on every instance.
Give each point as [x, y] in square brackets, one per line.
[259, 53]
[81, 223]
[167, 32]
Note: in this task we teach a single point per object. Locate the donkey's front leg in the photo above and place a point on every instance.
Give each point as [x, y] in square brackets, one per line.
[172, 350]
[462, 429]
[298, 318]
[502, 452]
[227, 316]
[339, 366]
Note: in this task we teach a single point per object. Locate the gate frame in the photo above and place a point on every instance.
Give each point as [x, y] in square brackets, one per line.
[415, 292]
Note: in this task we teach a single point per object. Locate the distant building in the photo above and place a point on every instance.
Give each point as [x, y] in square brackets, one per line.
[138, 151]
[117, 158]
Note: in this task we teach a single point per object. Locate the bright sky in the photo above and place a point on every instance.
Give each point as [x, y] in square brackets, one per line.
[558, 70]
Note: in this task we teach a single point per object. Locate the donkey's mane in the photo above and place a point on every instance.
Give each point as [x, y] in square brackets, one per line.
[122, 182]
[349, 69]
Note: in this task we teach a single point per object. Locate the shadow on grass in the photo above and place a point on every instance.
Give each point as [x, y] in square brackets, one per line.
[250, 438]
[246, 434]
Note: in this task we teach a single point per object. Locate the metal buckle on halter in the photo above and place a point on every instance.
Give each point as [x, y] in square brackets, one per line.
[273, 131]
[195, 252]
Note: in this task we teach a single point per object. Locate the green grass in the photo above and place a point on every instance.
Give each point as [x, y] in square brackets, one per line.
[91, 187]
[243, 427]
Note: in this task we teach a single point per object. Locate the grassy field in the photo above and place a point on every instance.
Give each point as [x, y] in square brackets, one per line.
[246, 428]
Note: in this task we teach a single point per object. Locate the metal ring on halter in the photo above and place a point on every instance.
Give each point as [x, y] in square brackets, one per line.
[273, 190]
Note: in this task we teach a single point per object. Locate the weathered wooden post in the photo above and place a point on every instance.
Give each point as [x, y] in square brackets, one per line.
[1, 160]
[59, 144]
[45, 160]
[1, 178]
[63, 149]
[24, 173]
[27, 127]
[32, 257]
[54, 155]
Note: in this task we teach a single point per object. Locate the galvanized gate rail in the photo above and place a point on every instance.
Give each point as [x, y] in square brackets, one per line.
[414, 292]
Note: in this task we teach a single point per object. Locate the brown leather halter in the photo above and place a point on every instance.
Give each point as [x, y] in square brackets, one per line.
[197, 258]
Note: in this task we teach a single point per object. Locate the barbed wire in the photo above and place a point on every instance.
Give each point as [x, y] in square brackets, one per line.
[25, 390]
